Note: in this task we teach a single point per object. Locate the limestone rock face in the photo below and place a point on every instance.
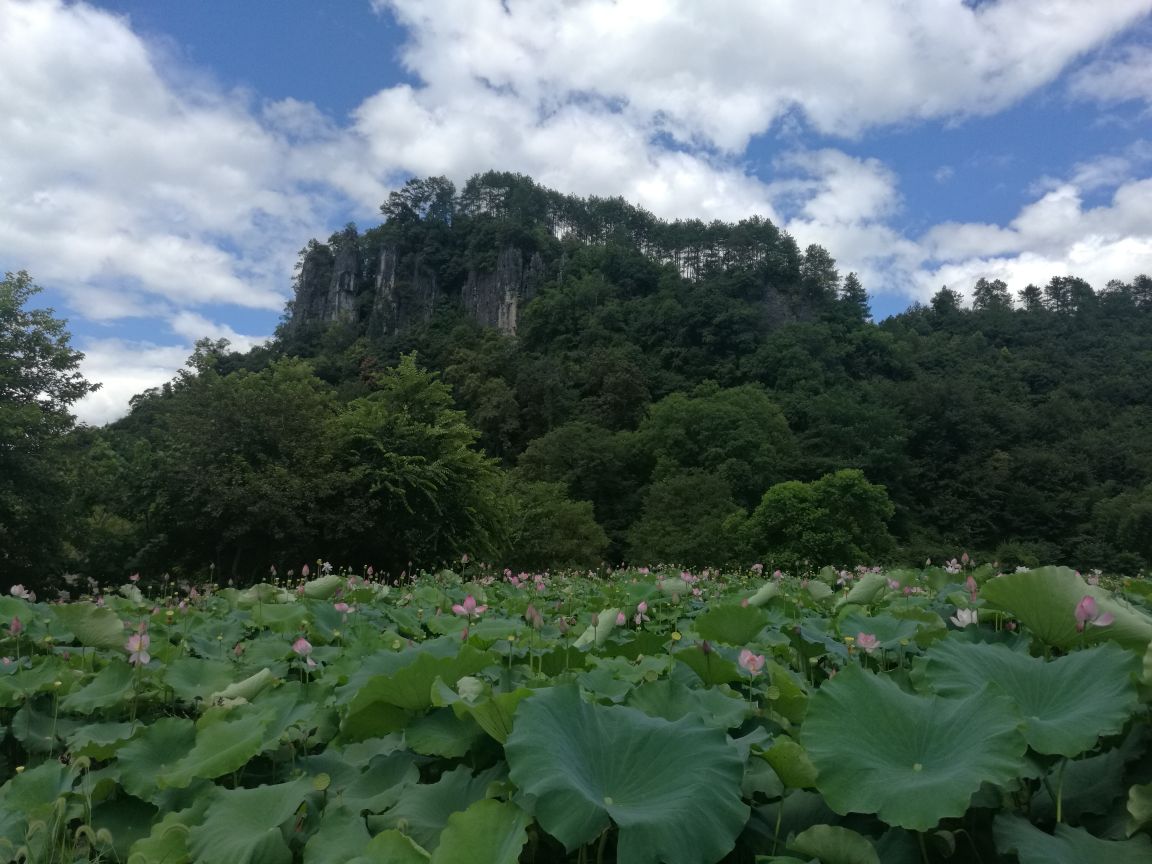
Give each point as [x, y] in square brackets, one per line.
[495, 299]
[401, 299]
[326, 289]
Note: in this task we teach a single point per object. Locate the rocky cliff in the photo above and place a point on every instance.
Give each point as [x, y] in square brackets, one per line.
[394, 292]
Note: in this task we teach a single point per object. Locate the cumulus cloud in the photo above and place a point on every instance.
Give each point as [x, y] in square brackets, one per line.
[123, 369]
[1111, 79]
[1056, 235]
[722, 75]
[113, 182]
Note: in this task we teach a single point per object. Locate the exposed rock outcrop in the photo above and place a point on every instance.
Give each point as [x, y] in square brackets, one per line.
[495, 299]
[400, 300]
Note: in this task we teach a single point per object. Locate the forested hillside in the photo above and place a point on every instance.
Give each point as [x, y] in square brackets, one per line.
[537, 380]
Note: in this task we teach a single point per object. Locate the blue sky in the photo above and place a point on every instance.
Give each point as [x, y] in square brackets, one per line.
[162, 161]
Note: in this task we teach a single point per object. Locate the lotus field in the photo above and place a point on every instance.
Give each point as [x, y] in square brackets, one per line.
[945, 714]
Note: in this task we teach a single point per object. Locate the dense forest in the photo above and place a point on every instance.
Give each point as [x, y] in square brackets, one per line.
[635, 391]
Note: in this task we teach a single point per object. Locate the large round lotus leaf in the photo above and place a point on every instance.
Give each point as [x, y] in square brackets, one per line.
[1068, 846]
[914, 760]
[92, 625]
[1139, 807]
[242, 826]
[1045, 600]
[153, 752]
[108, 687]
[672, 788]
[1067, 703]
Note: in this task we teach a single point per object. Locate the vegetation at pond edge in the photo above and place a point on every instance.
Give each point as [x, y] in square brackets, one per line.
[525, 377]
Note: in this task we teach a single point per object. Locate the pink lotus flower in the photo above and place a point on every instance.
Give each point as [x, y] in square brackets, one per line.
[867, 642]
[469, 608]
[533, 617]
[16, 627]
[303, 648]
[135, 577]
[621, 620]
[342, 608]
[751, 663]
[641, 613]
[1086, 613]
[305, 571]
[137, 648]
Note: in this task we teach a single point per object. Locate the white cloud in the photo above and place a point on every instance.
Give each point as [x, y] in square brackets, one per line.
[124, 369]
[109, 177]
[1055, 235]
[193, 327]
[723, 74]
[1111, 79]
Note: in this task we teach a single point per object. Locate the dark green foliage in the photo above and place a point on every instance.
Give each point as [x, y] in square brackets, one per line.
[839, 519]
[39, 381]
[661, 379]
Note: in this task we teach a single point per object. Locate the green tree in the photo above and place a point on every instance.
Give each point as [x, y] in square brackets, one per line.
[854, 299]
[241, 469]
[840, 519]
[411, 490]
[737, 433]
[991, 296]
[685, 522]
[39, 382]
[546, 528]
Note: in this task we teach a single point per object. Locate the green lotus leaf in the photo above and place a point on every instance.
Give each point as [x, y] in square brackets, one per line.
[248, 689]
[100, 740]
[424, 810]
[342, 835]
[392, 847]
[488, 832]
[764, 594]
[1139, 807]
[1087, 786]
[495, 714]
[1045, 600]
[40, 729]
[152, 752]
[788, 694]
[442, 733]
[731, 623]
[867, 590]
[193, 678]
[381, 783]
[92, 625]
[41, 678]
[242, 826]
[1066, 703]
[1067, 846]
[597, 634]
[832, 844]
[108, 687]
[410, 686]
[712, 666]
[225, 742]
[127, 819]
[914, 760]
[324, 587]
[168, 841]
[672, 700]
[672, 788]
[791, 763]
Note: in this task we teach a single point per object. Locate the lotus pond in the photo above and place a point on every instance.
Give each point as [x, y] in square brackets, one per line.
[945, 714]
